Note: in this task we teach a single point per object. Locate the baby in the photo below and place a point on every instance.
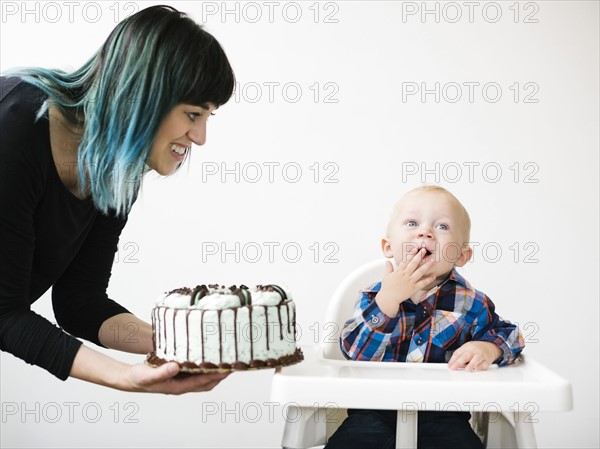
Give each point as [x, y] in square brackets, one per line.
[424, 311]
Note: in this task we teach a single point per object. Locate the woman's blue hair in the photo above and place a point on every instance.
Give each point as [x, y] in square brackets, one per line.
[152, 61]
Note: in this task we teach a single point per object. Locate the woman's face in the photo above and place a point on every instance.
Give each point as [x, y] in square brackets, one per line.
[184, 125]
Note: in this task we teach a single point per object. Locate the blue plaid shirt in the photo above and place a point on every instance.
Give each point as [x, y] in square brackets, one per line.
[453, 314]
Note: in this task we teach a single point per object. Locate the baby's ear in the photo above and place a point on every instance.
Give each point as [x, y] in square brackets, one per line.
[465, 255]
[386, 248]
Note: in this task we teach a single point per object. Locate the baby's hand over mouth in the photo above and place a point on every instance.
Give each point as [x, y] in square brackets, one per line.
[400, 284]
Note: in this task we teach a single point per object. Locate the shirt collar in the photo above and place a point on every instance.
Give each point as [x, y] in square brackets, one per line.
[456, 277]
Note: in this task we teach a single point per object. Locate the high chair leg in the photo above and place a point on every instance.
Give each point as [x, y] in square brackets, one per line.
[406, 429]
[303, 428]
[524, 432]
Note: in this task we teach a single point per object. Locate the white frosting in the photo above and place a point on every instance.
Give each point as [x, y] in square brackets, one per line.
[200, 335]
[219, 326]
[217, 302]
[221, 298]
[265, 298]
[174, 300]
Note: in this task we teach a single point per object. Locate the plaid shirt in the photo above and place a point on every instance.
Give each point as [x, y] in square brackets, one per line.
[453, 314]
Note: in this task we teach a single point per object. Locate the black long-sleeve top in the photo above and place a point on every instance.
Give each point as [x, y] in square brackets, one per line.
[48, 238]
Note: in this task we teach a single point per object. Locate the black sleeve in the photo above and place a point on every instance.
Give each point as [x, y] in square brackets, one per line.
[23, 333]
[79, 297]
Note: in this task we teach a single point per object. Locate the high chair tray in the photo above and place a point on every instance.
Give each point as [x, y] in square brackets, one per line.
[526, 386]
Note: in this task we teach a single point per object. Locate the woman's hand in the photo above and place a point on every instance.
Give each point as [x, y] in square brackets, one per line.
[137, 338]
[165, 379]
[93, 366]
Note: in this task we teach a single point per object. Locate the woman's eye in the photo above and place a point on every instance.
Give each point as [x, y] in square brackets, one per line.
[195, 115]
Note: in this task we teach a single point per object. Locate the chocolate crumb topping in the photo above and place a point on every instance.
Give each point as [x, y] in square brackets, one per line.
[273, 288]
[181, 291]
[244, 294]
[199, 292]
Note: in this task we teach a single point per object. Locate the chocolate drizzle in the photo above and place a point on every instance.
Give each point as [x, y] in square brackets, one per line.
[154, 329]
[280, 325]
[202, 333]
[287, 312]
[220, 336]
[235, 340]
[267, 325]
[165, 327]
[174, 333]
[187, 333]
[251, 339]
[294, 320]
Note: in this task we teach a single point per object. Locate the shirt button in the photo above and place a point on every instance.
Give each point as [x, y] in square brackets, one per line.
[419, 341]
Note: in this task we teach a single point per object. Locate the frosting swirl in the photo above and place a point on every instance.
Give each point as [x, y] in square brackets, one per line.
[219, 297]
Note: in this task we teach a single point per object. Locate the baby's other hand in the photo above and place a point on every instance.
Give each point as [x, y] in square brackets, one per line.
[475, 356]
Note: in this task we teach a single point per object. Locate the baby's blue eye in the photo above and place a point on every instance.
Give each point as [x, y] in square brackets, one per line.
[411, 223]
[443, 227]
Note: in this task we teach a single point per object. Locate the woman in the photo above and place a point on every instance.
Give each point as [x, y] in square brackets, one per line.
[73, 150]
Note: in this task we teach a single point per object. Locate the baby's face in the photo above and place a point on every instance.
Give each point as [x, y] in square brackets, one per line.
[430, 220]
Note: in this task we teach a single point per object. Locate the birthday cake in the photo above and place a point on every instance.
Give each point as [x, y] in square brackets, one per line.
[213, 327]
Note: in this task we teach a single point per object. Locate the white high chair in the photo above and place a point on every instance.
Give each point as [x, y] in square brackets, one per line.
[317, 392]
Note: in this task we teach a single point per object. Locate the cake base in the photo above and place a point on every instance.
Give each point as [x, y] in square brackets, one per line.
[193, 368]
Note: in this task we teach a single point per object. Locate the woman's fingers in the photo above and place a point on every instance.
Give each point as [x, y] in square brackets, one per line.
[163, 379]
[196, 383]
[145, 375]
[209, 386]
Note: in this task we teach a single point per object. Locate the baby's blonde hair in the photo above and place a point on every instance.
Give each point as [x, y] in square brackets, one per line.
[433, 188]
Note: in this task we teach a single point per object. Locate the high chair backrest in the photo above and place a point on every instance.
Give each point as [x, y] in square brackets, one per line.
[342, 302]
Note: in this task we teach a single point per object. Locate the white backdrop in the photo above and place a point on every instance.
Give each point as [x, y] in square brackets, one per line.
[342, 107]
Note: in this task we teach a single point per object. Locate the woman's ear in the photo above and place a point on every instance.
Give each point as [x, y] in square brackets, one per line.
[465, 255]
